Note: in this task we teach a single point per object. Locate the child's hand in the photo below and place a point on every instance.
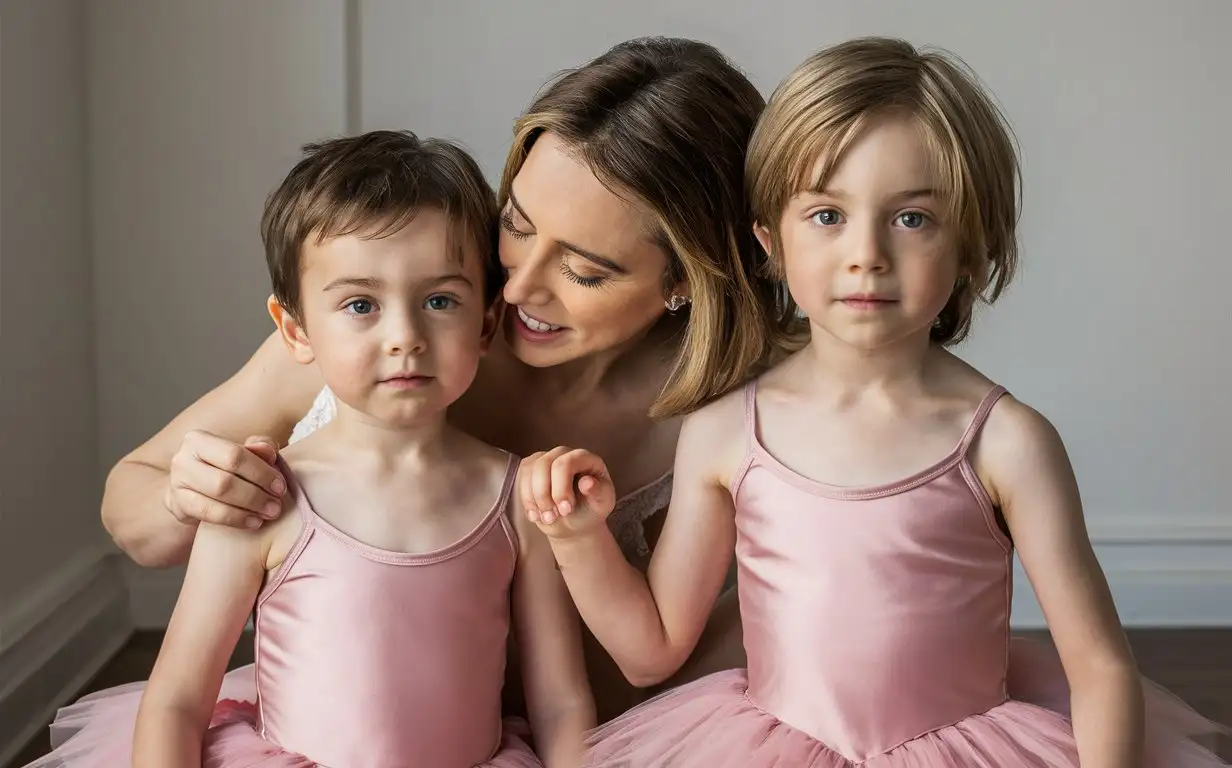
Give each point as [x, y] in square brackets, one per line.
[566, 492]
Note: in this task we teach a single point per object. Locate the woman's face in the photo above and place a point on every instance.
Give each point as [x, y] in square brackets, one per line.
[584, 273]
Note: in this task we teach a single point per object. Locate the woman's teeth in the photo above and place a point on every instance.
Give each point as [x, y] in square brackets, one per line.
[536, 325]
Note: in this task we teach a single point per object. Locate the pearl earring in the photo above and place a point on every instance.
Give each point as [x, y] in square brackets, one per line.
[676, 302]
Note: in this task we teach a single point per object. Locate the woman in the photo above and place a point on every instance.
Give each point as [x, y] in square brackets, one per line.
[627, 243]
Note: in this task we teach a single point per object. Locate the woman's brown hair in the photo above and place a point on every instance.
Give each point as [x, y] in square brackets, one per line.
[664, 123]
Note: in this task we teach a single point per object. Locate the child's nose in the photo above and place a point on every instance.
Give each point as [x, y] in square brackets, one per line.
[868, 252]
[404, 337]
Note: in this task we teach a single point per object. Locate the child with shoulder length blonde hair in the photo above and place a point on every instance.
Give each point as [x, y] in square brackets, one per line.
[873, 486]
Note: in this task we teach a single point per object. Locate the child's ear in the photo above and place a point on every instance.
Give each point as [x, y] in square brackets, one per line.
[762, 233]
[491, 324]
[292, 331]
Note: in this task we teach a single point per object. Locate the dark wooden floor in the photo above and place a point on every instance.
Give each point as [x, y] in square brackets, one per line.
[1196, 665]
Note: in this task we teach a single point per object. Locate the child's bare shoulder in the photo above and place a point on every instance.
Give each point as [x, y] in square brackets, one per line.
[714, 440]
[1010, 420]
[281, 534]
[722, 414]
[1014, 438]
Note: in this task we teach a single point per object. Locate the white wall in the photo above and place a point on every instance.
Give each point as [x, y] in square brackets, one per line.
[49, 477]
[133, 278]
[193, 111]
[1122, 110]
[197, 111]
[54, 585]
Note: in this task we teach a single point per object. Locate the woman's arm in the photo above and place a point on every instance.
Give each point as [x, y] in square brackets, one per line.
[196, 469]
[224, 575]
[649, 624]
[1028, 473]
[549, 637]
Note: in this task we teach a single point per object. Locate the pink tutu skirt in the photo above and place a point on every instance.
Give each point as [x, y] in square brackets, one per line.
[97, 732]
[712, 723]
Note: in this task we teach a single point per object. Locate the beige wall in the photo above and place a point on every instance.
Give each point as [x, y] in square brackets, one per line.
[192, 112]
[49, 471]
[138, 142]
[196, 111]
[1112, 328]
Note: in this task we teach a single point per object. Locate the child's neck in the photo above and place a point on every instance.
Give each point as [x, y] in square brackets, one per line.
[371, 440]
[837, 365]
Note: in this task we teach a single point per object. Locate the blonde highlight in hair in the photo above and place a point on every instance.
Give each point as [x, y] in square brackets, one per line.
[828, 102]
[664, 123]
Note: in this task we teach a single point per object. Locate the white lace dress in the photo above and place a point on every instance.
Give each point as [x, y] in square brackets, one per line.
[626, 520]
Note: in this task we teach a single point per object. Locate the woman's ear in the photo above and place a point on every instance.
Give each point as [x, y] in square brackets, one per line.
[762, 233]
[292, 331]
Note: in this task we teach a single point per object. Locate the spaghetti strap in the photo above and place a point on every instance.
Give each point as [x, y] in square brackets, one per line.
[981, 415]
[750, 413]
[306, 512]
[507, 505]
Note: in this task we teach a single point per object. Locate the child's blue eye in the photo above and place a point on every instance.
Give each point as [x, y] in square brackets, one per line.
[827, 218]
[439, 302]
[360, 306]
[912, 219]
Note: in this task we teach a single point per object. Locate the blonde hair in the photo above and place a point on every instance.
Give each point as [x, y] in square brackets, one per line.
[827, 103]
[664, 123]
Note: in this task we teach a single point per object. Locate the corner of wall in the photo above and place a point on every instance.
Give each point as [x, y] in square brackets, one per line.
[54, 642]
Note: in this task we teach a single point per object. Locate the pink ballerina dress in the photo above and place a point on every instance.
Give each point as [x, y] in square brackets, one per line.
[365, 658]
[876, 622]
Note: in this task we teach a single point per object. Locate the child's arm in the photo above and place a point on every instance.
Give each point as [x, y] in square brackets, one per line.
[549, 638]
[225, 571]
[1027, 471]
[649, 624]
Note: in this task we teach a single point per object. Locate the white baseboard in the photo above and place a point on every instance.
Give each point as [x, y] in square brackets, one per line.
[1163, 573]
[152, 593]
[54, 642]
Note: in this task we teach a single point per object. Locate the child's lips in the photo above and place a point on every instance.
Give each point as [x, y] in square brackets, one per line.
[407, 381]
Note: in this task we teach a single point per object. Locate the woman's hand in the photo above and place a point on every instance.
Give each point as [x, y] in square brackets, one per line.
[566, 492]
[214, 480]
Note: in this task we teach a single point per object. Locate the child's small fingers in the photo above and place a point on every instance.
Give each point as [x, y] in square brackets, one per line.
[563, 472]
[541, 485]
[587, 484]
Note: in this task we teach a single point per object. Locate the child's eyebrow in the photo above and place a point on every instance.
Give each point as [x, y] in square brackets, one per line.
[368, 283]
[451, 277]
[908, 194]
[373, 284]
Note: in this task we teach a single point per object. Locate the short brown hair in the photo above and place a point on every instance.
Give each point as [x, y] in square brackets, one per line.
[375, 183]
[664, 123]
[826, 104]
